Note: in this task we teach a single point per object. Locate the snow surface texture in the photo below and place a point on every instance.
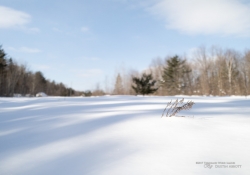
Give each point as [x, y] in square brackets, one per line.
[122, 135]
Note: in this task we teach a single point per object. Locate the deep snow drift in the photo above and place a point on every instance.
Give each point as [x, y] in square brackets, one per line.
[123, 135]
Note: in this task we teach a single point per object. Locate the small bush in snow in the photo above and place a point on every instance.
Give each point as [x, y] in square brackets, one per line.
[177, 106]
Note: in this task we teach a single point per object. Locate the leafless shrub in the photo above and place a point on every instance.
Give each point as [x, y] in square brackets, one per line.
[177, 106]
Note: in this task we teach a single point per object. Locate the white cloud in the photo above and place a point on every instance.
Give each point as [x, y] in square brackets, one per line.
[12, 18]
[25, 50]
[226, 17]
[84, 29]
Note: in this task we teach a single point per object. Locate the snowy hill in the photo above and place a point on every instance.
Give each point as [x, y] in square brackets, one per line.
[123, 135]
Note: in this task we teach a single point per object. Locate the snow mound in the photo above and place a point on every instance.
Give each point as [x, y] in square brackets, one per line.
[41, 94]
[123, 135]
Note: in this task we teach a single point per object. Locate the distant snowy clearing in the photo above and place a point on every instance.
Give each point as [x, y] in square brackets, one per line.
[123, 135]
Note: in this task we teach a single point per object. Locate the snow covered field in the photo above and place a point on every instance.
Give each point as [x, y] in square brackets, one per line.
[123, 135]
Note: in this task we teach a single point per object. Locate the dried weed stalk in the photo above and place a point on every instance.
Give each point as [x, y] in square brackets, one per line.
[176, 106]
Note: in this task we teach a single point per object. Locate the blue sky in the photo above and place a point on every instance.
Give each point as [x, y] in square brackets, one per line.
[83, 42]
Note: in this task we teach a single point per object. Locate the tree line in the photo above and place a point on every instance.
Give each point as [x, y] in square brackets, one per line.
[17, 79]
[214, 71]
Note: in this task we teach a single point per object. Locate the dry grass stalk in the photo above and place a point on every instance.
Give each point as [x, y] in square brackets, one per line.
[166, 107]
[176, 107]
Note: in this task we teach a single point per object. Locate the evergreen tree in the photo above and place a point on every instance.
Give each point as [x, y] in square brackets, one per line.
[87, 93]
[3, 66]
[144, 85]
[174, 75]
[2, 58]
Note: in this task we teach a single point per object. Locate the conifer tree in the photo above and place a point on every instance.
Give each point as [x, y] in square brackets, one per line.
[173, 78]
[3, 63]
[3, 66]
[144, 85]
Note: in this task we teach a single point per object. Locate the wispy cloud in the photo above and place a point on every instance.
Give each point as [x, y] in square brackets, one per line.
[33, 30]
[29, 50]
[90, 58]
[226, 17]
[13, 18]
[55, 29]
[41, 67]
[25, 50]
[84, 29]
[88, 72]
